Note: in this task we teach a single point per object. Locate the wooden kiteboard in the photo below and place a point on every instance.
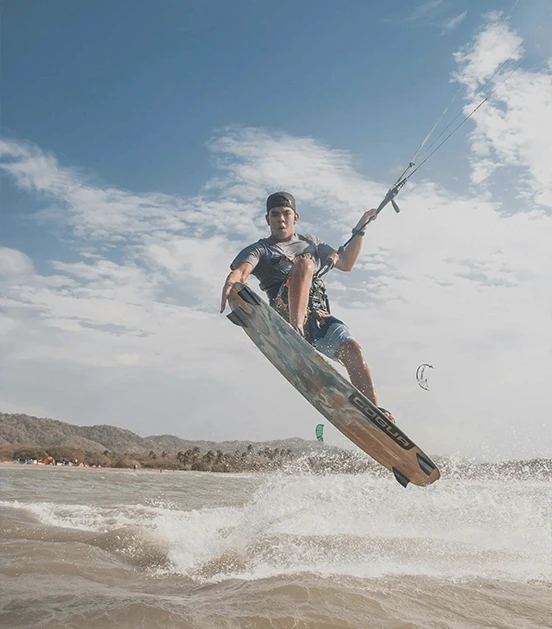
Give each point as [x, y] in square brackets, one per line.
[333, 396]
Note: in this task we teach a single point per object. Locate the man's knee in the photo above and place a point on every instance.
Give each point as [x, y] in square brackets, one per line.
[349, 351]
[303, 265]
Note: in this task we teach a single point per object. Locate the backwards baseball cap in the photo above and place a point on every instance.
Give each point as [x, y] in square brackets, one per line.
[280, 199]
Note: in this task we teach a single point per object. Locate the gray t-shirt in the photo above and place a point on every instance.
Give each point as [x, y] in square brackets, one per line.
[272, 260]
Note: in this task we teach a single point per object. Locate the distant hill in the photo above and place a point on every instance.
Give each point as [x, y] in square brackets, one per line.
[17, 428]
[41, 431]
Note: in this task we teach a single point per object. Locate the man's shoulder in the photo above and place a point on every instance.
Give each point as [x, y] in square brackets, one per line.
[310, 237]
[264, 246]
[260, 249]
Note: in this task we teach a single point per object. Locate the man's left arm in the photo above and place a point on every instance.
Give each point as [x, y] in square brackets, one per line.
[349, 255]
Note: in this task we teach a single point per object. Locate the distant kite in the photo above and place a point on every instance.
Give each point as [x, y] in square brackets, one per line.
[421, 376]
[320, 432]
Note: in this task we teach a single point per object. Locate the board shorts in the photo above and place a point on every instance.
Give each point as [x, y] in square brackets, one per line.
[336, 334]
[323, 331]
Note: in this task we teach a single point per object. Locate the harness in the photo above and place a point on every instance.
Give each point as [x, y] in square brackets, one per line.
[318, 309]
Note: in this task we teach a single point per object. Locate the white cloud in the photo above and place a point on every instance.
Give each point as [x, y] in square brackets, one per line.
[452, 23]
[492, 46]
[514, 128]
[425, 9]
[14, 263]
[431, 12]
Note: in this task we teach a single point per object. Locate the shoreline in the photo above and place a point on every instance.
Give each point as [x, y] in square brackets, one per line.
[10, 464]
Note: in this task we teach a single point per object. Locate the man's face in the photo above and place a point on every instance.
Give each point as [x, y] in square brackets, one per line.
[282, 222]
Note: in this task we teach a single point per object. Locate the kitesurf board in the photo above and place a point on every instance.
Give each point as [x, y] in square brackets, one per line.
[331, 394]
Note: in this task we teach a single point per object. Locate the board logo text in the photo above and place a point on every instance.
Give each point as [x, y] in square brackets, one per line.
[384, 424]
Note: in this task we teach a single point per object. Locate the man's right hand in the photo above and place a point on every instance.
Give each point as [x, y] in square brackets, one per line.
[225, 294]
[239, 274]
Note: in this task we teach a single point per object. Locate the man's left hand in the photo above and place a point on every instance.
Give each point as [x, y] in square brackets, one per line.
[370, 215]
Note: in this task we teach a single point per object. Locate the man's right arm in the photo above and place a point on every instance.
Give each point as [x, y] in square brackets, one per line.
[239, 274]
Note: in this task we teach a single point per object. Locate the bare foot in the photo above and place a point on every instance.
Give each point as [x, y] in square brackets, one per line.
[387, 414]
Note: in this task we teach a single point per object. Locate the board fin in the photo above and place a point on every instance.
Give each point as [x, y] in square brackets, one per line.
[425, 465]
[236, 319]
[249, 296]
[403, 480]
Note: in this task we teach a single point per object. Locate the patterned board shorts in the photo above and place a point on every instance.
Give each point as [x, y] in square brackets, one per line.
[323, 331]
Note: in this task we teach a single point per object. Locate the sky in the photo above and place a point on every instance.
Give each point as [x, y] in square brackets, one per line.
[140, 140]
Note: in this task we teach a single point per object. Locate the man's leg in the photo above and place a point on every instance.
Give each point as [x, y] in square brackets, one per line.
[300, 281]
[350, 354]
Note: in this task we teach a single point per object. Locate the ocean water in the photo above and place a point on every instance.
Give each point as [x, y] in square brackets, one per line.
[120, 549]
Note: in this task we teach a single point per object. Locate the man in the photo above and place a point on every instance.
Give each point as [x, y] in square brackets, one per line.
[286, 265]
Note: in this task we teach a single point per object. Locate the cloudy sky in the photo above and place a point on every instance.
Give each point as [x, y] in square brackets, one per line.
[139, 141]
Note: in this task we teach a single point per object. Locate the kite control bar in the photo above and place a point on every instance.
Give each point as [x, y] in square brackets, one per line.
[389, 198]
